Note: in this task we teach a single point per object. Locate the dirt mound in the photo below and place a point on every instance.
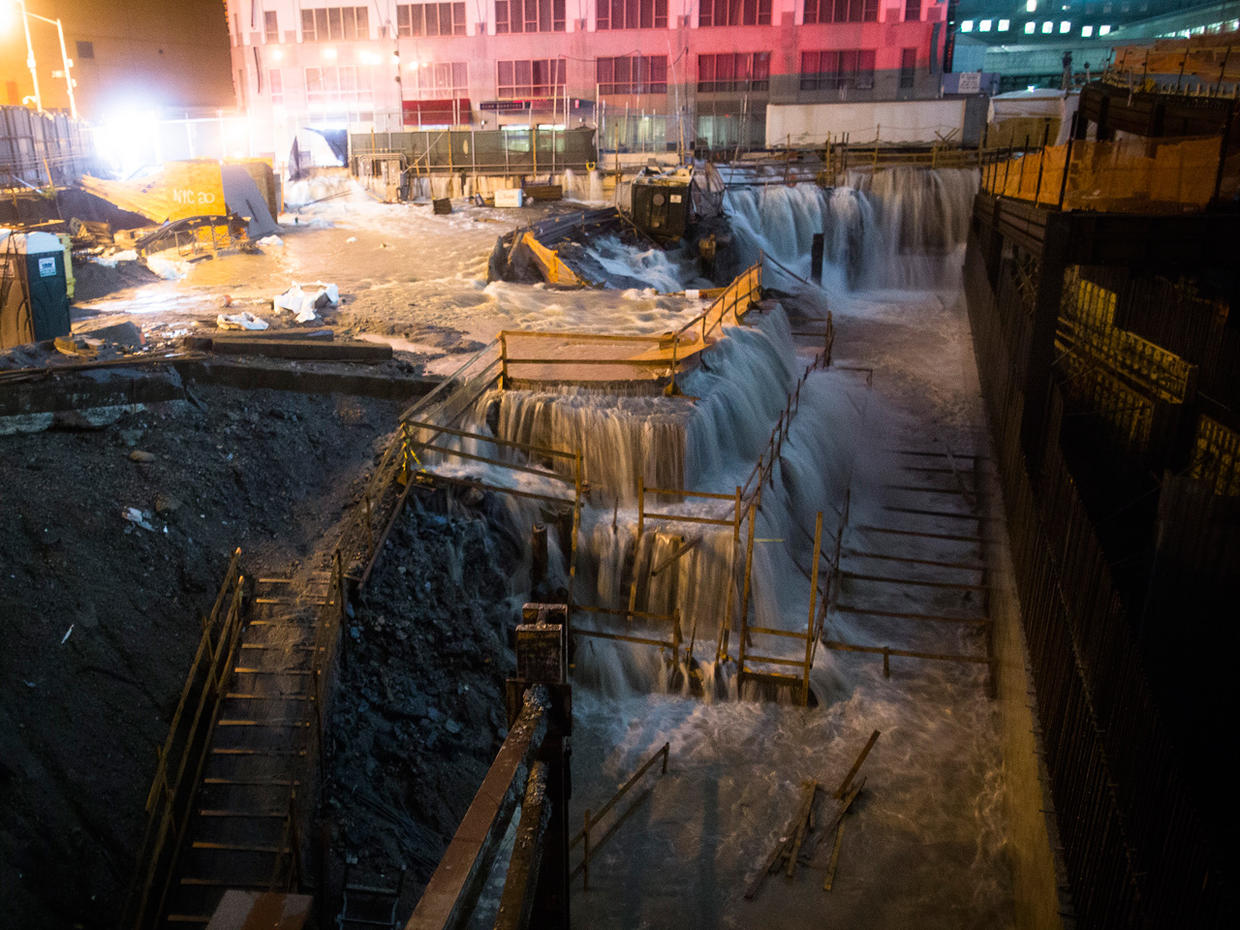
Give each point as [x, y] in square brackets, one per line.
[97, 279]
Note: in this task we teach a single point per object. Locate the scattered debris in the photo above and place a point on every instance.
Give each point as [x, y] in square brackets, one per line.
[88, 232]
[244, 320]
[271, 242]
[442, 205]
[137, 455]
[138, 518]
[69, 632]
[799, 840]
[77, 347]
[305, 301]
[126, 334]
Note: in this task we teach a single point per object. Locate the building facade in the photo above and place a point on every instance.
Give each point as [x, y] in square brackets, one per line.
[123, 55]
[648, 74]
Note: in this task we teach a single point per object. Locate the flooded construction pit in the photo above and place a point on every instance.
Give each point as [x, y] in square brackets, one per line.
[786, 546]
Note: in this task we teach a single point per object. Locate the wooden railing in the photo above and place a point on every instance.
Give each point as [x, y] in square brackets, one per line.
[169, 803]
[592, 820]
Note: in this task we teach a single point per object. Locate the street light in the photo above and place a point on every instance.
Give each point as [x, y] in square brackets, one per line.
[30, 62]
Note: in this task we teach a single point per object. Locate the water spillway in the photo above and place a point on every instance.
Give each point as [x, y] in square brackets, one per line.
[664, 526]
[896, 229]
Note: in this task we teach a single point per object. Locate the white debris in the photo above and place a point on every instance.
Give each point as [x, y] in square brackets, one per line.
[69, 632]
[138, 517]
[305, 301]
[351, 239]
[167, 268]
[272, 242]
[240, 321]
[109, 261]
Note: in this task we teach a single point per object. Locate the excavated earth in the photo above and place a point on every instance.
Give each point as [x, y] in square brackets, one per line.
[101, 615]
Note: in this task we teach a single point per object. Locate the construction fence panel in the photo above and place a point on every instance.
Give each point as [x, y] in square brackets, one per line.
[483, 151]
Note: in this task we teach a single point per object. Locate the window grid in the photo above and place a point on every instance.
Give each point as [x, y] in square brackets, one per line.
[632, 14]
[438, 80]
[834, 70]
[430, 19]
[275, 80]
[334, 24]
[638, 74]
[841, 11]
[740, 71]
[529, 16]
[736, 12]
[912, 11]
[271, 27]
[542, 77]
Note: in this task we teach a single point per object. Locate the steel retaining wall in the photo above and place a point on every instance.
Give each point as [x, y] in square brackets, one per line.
[1136, 852]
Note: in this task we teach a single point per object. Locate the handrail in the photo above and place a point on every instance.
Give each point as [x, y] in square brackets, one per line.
[167, 804]
[583, 835]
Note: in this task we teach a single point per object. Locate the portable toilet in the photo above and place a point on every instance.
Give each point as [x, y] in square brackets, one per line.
[34, 298]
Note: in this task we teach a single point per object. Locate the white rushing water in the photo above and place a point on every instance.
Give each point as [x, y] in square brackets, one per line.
[925, 841]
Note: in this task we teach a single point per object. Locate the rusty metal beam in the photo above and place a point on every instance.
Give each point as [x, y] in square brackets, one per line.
[453, 888]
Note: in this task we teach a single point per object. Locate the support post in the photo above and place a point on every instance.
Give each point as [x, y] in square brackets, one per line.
[813, 604]
[817, 251]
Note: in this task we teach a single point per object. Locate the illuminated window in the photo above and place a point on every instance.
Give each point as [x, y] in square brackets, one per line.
[327, 24]
[637, 74]
[430, 19]
[1005, 25]
[1031, 6]
[834, 70]
[1048, 28]
[529, 16]
[734, 72]
[539, 78]
[1087, 31]
[632, 14]
[1029, 28]
[966, 26]
[984, 25]
[820, 11]
[436, 80]
[337, 89]
[1104, 30]
[1065, 26]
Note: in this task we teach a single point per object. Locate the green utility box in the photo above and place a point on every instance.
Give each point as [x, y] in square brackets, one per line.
[34, 296]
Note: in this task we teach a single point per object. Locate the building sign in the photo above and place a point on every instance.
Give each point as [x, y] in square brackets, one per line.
[576, 105]
[506, 106]
[970, 82]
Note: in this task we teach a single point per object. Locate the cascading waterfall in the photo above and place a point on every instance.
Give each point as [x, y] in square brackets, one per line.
[710, 441]
[620, 440]
[891, 229]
